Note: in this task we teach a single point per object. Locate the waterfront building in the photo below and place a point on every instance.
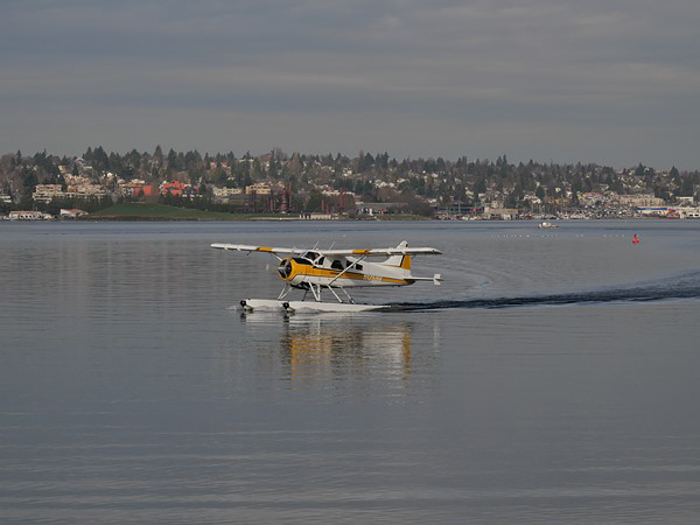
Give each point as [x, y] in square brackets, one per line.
[505, 214]
[28, 215]
[641, 201]
[72, 213]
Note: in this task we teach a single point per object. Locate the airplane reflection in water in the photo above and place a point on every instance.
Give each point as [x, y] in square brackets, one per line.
[316, 348]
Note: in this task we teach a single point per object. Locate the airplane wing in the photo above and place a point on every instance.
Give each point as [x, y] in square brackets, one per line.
[248, 248]
[381, 252]
[402, 249]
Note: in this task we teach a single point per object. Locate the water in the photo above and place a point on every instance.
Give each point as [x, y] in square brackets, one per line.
[551, 379]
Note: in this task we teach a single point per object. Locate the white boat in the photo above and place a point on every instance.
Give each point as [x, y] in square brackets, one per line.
[547, 225]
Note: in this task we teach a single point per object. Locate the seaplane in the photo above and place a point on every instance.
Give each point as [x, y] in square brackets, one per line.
[315, 270]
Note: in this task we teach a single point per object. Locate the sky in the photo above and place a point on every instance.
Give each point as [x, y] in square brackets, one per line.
[615, 82]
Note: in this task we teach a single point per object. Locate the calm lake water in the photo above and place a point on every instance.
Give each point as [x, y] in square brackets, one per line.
[553, 378]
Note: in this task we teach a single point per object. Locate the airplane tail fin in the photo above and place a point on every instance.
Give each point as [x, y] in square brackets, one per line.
[402, 261]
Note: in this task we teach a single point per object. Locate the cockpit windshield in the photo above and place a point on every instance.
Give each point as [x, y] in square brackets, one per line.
[310, 256]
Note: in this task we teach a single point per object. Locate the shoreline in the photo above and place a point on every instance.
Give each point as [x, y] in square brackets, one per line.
[136, 218]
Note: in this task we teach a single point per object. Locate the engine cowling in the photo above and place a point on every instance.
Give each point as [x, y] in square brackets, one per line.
[285, 269]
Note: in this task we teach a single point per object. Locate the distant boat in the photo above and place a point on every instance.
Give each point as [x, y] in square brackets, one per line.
[547, 226]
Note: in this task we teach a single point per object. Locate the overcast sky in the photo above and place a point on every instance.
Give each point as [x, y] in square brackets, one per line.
[610, 81]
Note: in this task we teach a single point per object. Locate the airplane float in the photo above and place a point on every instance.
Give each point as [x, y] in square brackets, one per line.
[316, 270]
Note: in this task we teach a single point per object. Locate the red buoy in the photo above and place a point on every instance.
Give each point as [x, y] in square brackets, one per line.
[635, 240]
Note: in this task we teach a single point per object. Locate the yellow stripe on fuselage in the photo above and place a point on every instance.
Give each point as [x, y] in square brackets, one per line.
[330, 273]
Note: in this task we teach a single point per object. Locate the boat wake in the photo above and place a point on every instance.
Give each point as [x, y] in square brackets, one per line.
[685, 287]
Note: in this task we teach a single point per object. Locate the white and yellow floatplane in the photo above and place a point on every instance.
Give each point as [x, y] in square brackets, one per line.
[316, 270]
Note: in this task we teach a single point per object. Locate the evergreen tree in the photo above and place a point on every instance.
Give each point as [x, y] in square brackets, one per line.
[158, 157]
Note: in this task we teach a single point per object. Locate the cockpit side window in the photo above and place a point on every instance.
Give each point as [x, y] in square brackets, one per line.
[337, 264]
[355, 266]
[311, 256]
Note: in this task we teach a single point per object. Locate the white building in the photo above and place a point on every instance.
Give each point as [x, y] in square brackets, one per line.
[641, 200]
[688, 212]
[72, 213]
[28, 216]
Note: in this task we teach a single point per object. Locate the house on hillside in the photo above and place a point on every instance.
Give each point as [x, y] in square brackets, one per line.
[47, 192]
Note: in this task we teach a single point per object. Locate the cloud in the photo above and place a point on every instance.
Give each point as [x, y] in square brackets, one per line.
[364, 72]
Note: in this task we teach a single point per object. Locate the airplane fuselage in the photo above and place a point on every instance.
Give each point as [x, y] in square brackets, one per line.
[346, 272]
